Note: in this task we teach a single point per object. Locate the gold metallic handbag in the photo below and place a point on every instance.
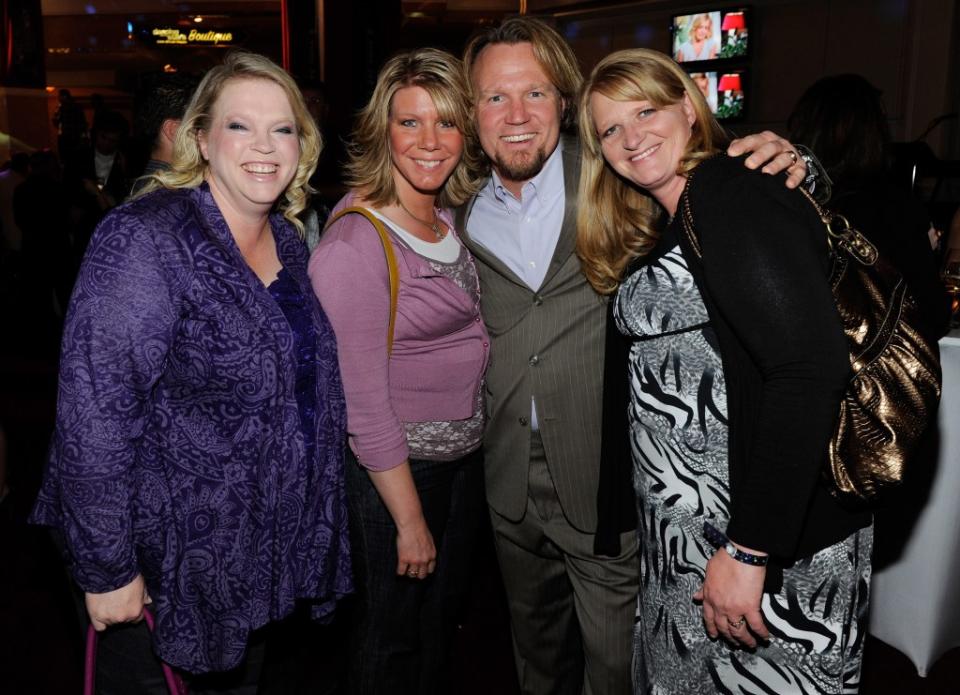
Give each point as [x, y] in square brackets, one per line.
[894, 389]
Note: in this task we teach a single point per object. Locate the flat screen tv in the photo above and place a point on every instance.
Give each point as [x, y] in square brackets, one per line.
[725, 92]
[711, 35]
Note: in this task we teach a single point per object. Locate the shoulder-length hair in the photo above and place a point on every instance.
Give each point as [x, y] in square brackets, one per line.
[188, 168]
[616, 221]
[553, 54]
[842, 119]
[700, 19]
[369, 167]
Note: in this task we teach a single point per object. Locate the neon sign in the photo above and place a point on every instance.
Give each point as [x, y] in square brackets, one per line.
[175, 37]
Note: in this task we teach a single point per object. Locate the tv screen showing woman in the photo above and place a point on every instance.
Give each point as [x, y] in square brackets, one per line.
[708, 36]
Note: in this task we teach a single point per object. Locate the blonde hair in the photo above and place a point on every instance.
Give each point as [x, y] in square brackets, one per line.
[697, 21]
[552, 52]
[370, 166]
[615, 219]
[188, 167]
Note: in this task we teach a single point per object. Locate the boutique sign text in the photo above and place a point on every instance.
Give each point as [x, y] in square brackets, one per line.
[175, 37]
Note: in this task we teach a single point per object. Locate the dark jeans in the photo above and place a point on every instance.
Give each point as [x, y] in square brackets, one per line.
[404, 627]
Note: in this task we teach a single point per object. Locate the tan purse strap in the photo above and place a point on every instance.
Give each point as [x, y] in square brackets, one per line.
[392, 273]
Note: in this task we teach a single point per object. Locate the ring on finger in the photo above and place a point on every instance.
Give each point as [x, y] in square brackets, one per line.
[412, 573]
[793, 155]
[737, 624]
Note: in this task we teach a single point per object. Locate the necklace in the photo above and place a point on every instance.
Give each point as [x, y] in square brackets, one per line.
[432, 226]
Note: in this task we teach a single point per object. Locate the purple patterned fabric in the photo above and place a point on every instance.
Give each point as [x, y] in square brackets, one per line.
[178, 451]
[298, 311]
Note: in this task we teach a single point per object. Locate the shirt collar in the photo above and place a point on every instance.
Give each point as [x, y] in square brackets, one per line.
[547, 183]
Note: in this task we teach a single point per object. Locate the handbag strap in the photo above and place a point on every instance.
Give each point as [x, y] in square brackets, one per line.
[844, 234]
[391, 262]
[686, 218]
[175, 684]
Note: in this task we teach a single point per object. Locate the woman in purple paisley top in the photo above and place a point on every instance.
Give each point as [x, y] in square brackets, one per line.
[197, 462]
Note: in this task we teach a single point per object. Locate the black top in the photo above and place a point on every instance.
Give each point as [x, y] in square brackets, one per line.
[763, 276]
[616, 500]
[897, 223]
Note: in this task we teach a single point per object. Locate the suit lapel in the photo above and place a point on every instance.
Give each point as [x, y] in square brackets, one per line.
[567, 241]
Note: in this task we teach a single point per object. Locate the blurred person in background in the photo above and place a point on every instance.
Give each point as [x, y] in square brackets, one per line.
[43, 212]
[71, 125]
[158, 112]
[315, 216]
[843, 121]
[96, 175]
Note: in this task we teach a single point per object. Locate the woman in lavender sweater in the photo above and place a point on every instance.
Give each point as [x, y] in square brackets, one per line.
[197, 462]
[415, 413]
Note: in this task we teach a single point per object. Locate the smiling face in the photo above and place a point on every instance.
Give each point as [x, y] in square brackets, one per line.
[251, 147]
[701, 29]
[518, 111]
[644, 143]
[424, 148]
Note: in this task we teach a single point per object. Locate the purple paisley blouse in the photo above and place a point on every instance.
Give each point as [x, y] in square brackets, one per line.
[178, 451]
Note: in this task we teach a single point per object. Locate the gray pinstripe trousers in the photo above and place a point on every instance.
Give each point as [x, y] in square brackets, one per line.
[572, 612]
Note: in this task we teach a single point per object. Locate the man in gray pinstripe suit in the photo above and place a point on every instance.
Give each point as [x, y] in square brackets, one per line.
[572, 608]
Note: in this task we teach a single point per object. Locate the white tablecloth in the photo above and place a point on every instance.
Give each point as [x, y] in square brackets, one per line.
[916, 600]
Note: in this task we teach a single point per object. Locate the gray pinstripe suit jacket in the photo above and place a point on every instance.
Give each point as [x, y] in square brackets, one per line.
[548, 344]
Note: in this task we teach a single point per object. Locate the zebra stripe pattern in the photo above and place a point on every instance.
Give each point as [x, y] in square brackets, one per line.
[679, 441]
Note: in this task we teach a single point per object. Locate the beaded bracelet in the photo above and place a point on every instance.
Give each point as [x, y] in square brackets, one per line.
[718, 539]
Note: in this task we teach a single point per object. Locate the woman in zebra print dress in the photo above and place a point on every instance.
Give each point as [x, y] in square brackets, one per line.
[753, 578]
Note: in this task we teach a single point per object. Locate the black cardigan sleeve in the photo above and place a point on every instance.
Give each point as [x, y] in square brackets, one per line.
[616, 500]
[765, 275]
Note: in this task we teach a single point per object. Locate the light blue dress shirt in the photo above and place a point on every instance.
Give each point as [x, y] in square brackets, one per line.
[522, 233]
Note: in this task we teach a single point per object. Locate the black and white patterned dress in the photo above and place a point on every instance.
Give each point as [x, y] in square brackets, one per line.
[678, 421]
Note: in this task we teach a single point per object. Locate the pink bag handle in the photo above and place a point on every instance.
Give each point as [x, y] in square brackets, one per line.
[175, 683]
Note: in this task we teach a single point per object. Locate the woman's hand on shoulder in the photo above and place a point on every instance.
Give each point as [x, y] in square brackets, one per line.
[731, 595]
[123, 605]
[416, 553]
[771, 154]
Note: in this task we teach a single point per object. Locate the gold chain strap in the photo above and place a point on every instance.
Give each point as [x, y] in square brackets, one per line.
[686, 218]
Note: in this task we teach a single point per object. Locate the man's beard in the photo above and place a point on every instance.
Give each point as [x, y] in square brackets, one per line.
[521, 169]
